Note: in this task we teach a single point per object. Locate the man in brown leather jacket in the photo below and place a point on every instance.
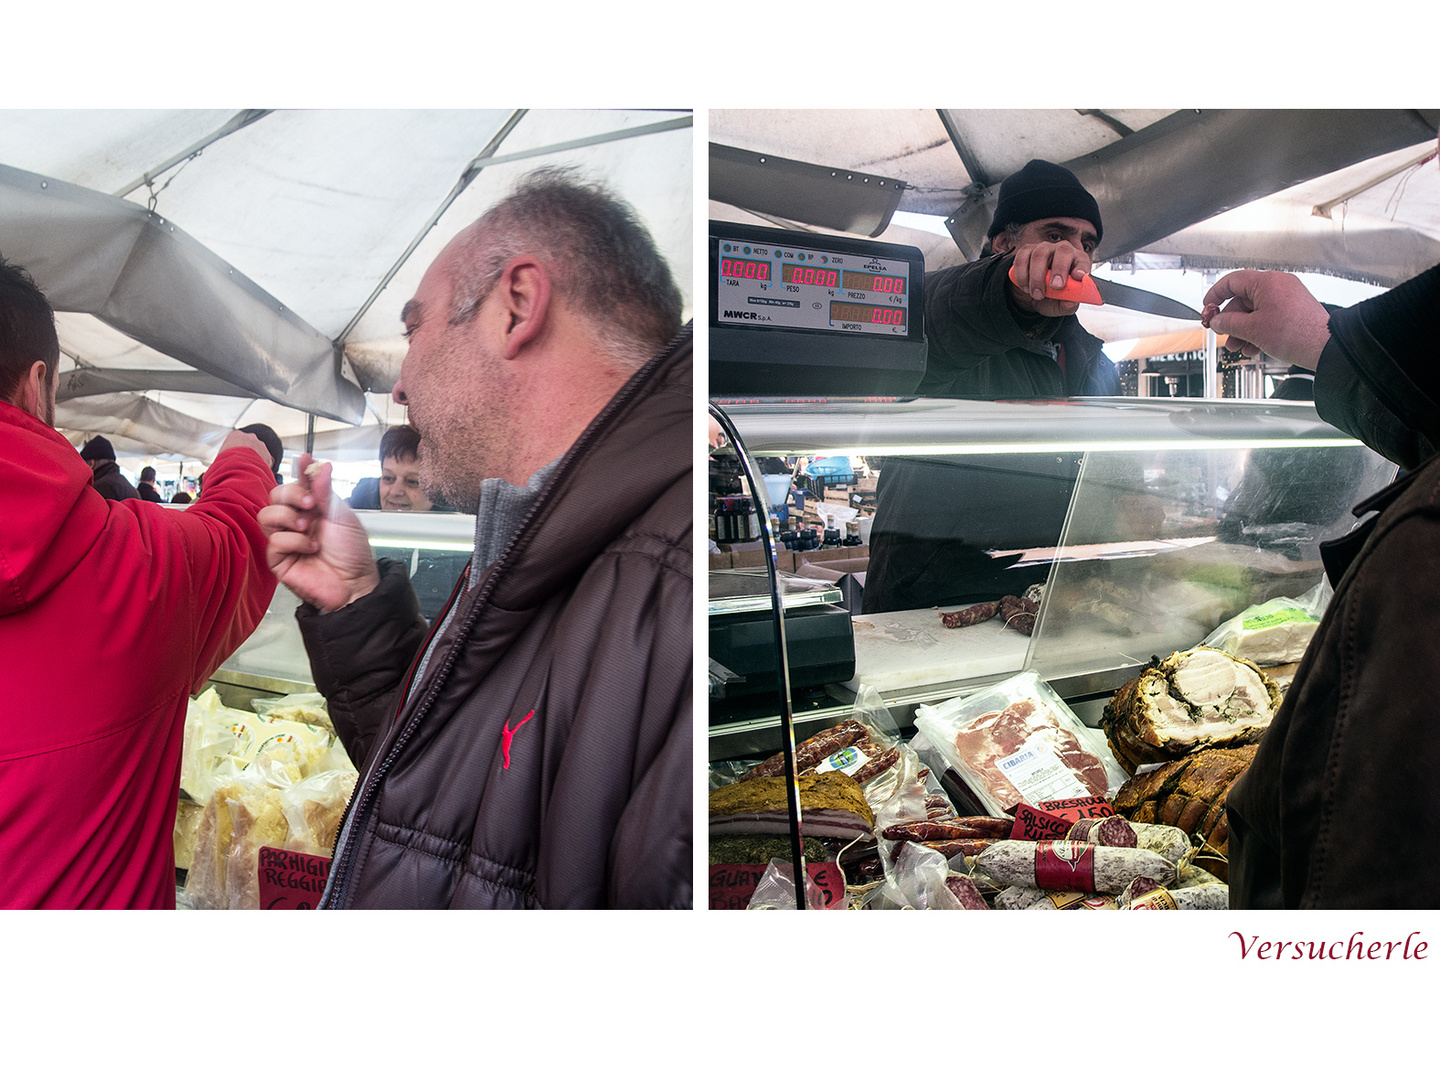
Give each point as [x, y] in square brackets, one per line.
[533, 747]
[1338, 807]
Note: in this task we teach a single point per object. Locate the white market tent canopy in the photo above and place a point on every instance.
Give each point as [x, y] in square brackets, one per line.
[212, 269]
[1349, 193]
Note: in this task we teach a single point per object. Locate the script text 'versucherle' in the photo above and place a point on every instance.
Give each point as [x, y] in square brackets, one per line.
[1356, 948]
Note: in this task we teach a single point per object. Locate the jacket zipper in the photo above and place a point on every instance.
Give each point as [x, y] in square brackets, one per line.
[361, 804]
[349, 814]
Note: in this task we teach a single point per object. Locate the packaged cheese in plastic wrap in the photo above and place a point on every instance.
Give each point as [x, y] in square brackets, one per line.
[1275, 632]
[309, 709]
[1018, 741]
[217, 739]
[277, 781]
[250, 812]
[220, 741]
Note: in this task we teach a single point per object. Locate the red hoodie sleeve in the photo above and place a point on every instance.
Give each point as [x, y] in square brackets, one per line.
[226, 552]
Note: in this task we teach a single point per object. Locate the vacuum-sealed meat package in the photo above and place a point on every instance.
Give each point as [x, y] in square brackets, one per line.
[1019, 742]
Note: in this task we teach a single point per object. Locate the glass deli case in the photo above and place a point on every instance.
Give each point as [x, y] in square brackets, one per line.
[1120, 528]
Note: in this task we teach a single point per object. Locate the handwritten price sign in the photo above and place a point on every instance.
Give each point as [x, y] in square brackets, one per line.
[732, 884]
[290, 880]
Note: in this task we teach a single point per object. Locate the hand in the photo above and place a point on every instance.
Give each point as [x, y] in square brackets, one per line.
[318, 548]
[244, 438]
[1268, 311]
[1039, 265]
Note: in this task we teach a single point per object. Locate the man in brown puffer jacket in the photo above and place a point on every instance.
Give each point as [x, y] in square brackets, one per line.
[533, 747]
[1339, 803]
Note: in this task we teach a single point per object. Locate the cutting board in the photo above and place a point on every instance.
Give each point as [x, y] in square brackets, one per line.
[899, 649]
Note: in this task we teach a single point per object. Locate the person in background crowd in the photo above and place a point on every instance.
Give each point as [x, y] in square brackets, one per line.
[398, 485]
[105, 471]
[146, 487]
[91, 592]
[180, 497]
[540, 753]
[1298, 385]
[1340, 796]
[266, 434]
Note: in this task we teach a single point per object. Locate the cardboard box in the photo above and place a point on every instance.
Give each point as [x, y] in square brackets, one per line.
[742, 556]
[846, 573]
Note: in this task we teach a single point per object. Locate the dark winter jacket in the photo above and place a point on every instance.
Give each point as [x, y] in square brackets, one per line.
[544, 758]
[111, 483]
[366, 495]
[1340, 797]
[934, 519]
[981, 345]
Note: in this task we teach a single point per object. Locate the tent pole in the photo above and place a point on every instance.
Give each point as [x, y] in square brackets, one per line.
[488, 157]
[471, 171]
[244, 118]
[1211, 379]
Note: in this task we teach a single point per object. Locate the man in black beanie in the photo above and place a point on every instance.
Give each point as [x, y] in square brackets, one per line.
[266, 434]
[100, 456]
[991, 338]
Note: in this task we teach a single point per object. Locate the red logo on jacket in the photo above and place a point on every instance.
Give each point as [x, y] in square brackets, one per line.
[507, 735]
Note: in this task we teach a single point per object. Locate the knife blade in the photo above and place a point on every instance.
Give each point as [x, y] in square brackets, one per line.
[1127, 296]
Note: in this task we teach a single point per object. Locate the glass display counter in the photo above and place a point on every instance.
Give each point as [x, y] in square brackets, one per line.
[1135, 526]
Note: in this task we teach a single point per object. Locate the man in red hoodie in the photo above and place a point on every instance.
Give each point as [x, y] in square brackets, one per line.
[90, 592]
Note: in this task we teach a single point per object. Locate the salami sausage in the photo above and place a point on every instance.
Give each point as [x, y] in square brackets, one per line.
[1019, 613]
[941, 829]
[967, 892]
[975, 613]
[879, 761]
[813, 750]
[1067, 865]
[937, 806]
[1109, 831]
[997, 827]
[1019, 898]
[951, 848]
[1164, 840]
[1148, 895]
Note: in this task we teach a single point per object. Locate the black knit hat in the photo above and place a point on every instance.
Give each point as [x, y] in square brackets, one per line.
[1042, 189]
[266, 434]
[98, 449]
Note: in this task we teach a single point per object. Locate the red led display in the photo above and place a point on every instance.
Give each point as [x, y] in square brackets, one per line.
[794, 274]
[867, 313]
[745, 268]
[870, 282]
